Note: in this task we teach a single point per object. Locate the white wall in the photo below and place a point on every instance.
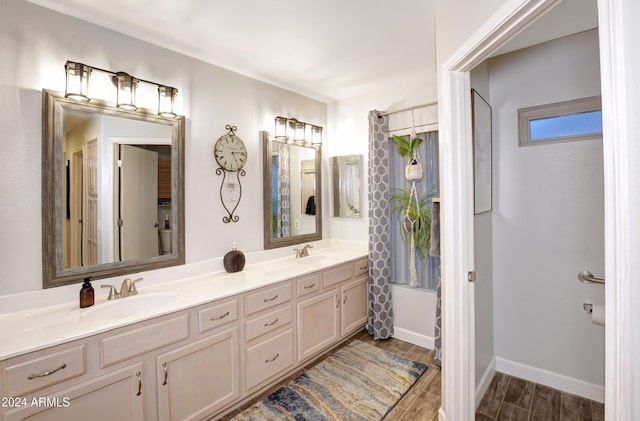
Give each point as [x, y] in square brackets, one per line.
[34, 45]
[547, 222]
[349, 130]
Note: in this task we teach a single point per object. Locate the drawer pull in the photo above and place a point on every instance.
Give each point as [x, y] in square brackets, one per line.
[272, 323]
[166, 374]
[310, 286]
[269, 360]
[212, 318]
[47, 373]
[266, 300]
[139, 376]
[364, 267]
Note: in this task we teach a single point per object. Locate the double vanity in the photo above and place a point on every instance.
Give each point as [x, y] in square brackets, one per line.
[186, 350]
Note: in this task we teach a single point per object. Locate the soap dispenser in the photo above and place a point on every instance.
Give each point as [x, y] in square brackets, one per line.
[86, 294]
[234, 260]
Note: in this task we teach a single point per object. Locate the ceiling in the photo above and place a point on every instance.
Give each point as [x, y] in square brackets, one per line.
[327, 50]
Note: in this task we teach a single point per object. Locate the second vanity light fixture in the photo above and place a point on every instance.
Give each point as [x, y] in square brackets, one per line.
[77, 88]
[293, 130]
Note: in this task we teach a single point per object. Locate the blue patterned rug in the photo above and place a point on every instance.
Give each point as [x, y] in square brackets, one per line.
[359, 382]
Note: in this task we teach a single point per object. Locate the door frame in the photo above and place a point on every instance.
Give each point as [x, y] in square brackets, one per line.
[456, 186]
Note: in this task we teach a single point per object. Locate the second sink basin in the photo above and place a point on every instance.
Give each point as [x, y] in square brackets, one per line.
[127, 307]
[318, 259]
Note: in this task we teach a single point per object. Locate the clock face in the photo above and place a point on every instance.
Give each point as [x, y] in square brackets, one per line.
[230, 152]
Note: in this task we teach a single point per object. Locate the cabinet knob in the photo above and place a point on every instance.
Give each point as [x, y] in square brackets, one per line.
[212, 318]
[47, 373]
[270, 360]
[266, 300]
[139, 376]
[272, 323]
[166, 374]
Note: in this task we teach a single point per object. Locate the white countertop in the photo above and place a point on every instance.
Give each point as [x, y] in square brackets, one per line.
[31, 330]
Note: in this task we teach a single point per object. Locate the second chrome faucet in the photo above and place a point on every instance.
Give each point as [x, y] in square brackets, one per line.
[127, 288]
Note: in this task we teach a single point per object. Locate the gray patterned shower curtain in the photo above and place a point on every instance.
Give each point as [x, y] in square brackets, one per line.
[380, 324]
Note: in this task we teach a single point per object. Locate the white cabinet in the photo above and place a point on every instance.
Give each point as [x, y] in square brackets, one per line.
[338, 310]
[194, 364]
[318, 325]
[198, 379]
[117, 395]
[268, 334]
[266, 358]
[353, 311]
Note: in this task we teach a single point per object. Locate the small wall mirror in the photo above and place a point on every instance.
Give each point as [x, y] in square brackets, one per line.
[292, 193]
[345, 182]
[112, 191]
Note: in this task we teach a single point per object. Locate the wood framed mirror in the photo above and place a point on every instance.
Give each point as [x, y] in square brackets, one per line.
[292, 193]
[112, 190]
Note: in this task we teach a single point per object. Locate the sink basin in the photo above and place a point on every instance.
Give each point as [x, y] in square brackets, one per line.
[127, 307]
[318, 259]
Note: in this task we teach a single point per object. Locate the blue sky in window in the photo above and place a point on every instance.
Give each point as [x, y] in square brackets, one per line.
[566, 125]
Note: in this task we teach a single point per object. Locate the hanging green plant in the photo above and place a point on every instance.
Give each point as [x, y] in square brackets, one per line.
[406, 147]
[407, 209]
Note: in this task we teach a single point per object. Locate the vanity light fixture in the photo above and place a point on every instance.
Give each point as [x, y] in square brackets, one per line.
[77, 88]
[294, 130]
[298, 135]
[127, 86]
[316, 135]
[166, 101]
[281, 128]
[77, 81]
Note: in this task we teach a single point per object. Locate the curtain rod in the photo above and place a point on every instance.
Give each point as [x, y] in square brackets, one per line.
[428, 104]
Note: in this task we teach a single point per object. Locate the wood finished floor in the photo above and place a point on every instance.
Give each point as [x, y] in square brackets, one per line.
[507, 398]
[512, 399]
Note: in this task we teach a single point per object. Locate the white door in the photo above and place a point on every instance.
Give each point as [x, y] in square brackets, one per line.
[138, 186]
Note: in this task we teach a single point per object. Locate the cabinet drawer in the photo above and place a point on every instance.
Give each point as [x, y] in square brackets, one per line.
[112, 396]
[267, 298]
[362, 267]
[217, 315]
[267, 323]
[38, 373]
[307, 285]
[138, 341]
[268, 358]
[337, 275]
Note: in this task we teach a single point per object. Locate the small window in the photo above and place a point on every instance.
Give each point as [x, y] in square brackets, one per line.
[580, 119]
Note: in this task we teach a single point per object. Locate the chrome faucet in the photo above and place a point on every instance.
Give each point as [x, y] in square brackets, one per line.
[127, 288]
[304, 252]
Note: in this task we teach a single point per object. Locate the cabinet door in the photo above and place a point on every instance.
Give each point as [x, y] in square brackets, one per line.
[317, 323]
[198, 379]
[114, 396]
[354, 305]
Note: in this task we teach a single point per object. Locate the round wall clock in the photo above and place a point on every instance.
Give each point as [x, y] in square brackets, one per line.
[230, 151]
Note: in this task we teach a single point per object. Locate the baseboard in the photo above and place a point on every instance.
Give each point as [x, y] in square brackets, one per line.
[414, 338]
[441, 415]
[485, 381]
[547, 378]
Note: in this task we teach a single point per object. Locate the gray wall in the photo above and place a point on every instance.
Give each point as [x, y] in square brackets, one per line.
[547, 222]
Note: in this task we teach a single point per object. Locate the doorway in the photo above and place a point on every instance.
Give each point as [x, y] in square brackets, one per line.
[546, 225]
